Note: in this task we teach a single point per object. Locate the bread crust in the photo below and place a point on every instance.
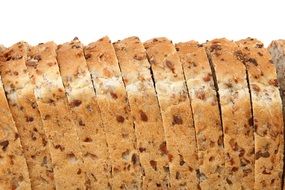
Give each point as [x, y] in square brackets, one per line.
[267, 114]
[144, 106]
[176, 113]
[82, 101]
[56, 116]
[23, 106]
[203, 96]
[236, 113]
[115, 111]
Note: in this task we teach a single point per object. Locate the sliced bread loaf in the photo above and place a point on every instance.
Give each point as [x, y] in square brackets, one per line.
[14, 172]
[82, 101]
[267, 113]
[234, 98]
[176, 113]
[205, 106]
[22, 102]
[142, 98]
[115, 111]
[57, 118]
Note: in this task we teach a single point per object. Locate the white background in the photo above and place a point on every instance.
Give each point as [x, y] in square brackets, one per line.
[37, 21]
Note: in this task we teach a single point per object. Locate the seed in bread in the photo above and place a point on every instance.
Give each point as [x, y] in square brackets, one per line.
[144, 106]
[267, 113]
[22, 102]
[234, 97]
[203, 96]
[118, 123]
[81, 98]
[57, 118]
[176, 113]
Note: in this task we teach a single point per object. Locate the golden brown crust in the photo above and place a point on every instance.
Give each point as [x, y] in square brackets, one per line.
[206, 114]
[176, 113]
[57, 119]
[24, 109]
[236, 113]
[82, 101]
[112, 100]
[136, 74]
[267, 113]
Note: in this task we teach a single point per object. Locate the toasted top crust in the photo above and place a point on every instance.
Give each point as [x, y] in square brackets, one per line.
[77, 75]
[261, 70]
[138, 78]
[46, 71]
[171, 83]
[19, 79]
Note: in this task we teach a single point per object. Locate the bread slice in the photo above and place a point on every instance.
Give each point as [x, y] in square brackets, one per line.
[267, 113]
[26, 115]
[176, 113]
[205, 107]
[234, 97]
[115, 111]
[277, 51]
[57, 119]
[81, 97]
[14, 172]
[142, 98]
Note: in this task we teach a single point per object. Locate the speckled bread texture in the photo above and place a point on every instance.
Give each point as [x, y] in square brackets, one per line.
[143, 101]
[57, 119]
[234, 96]
[26, 115]
[176, 113]
[115, 111]
[267, 113]
[203, 95]
[277, 51]
[82, 101]
[14, 172]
